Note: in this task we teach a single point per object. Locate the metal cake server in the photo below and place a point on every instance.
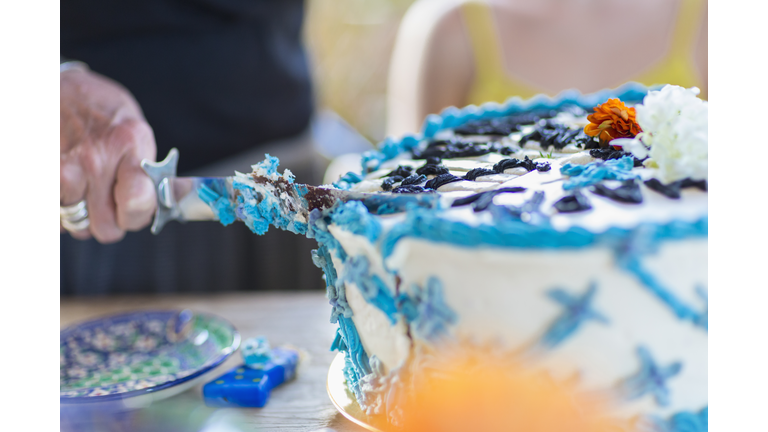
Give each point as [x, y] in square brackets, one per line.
[179, 198]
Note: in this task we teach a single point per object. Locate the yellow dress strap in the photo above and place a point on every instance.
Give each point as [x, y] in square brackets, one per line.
[491, 82]
[678, 66]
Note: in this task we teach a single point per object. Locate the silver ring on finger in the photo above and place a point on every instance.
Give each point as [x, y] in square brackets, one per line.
[74, 217]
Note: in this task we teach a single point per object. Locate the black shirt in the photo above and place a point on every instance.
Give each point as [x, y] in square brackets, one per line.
[213, 77]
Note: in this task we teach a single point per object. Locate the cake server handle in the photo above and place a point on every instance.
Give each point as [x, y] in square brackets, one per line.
[178, 197]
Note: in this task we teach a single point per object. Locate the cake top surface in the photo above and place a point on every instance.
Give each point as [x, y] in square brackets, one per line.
[569, 171]
[616, 159]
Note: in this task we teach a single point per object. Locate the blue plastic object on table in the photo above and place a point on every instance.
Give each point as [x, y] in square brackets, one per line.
[249, 385]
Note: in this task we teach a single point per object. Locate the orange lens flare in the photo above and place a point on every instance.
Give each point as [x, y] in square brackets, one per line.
[487, 394]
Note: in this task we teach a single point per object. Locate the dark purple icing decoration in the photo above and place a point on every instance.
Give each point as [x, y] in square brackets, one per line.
[402, 171]
[629, 192]
[543, 166]
[503, 125]
[456, 148]
[586, 142]
[409, 189]
[506, 164]
[415, 179]
[575, 202]
[482, 200]
[549, 133]
[478, 172]
[441, 180]
[672, 190]
[531, 208]
[432, 169]
[390, 181]
[609, 153]
[699, 184]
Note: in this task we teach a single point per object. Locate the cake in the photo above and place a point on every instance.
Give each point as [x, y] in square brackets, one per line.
[569, 233]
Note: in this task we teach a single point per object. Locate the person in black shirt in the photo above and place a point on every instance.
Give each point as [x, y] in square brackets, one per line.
[214, 78]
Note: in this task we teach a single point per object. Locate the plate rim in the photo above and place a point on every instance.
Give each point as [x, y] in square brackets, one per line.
[226, 352]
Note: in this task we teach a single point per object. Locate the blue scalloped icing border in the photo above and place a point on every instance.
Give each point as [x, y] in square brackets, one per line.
[427, 224]
[452, 117]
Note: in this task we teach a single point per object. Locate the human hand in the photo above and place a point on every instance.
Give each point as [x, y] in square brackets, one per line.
[104, 137]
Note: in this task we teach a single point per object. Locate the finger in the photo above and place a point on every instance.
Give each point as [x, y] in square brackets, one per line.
[101, 211]
[79, 235]
[99, 165]
[72, 180]
[72, 188]
[134, 191]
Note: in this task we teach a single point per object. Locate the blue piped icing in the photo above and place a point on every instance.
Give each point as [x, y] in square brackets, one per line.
[257, 209]
[334, 289]
[214, 194]
[685, 421]
[650, 379]
[347, 180]
[578, 310]
[373, 289]
[702, 320]
[387, 149]
[347, 340]
[268, 168]
[356, 359]
[597, 171]
[429, 224]
[354, 217]
[258, 214]
[425, 308]
[318, 230]
[452, 117]
[632, 264]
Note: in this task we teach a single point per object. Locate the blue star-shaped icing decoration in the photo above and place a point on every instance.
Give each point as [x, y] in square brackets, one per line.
[373, 288]
[578, 309]
[595, 172]
[684, 421]
[651, 379]
[630, 261]
[427, 311]
[702, 319]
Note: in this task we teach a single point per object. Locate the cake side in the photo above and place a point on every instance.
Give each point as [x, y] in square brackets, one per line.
[643, 264]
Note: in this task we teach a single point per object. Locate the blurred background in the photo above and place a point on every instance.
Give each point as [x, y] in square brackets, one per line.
[350, 44]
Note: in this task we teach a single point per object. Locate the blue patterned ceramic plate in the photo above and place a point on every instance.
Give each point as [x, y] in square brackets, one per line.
[124, 356]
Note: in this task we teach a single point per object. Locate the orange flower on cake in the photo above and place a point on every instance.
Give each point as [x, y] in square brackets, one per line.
[612, 120]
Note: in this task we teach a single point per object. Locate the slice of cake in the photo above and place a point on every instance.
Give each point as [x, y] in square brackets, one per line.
[570, 236]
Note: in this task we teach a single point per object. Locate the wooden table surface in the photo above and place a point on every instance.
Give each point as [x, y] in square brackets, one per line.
[300, 319]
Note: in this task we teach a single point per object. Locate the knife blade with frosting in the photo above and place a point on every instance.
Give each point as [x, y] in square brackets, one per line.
[259, 199]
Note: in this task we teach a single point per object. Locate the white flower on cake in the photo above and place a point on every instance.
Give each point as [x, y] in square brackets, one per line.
[675, 133]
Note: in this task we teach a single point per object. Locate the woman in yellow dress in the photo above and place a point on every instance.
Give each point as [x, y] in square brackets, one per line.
[461, 52]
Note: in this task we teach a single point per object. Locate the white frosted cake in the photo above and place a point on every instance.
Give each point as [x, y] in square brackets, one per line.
[569, 233]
